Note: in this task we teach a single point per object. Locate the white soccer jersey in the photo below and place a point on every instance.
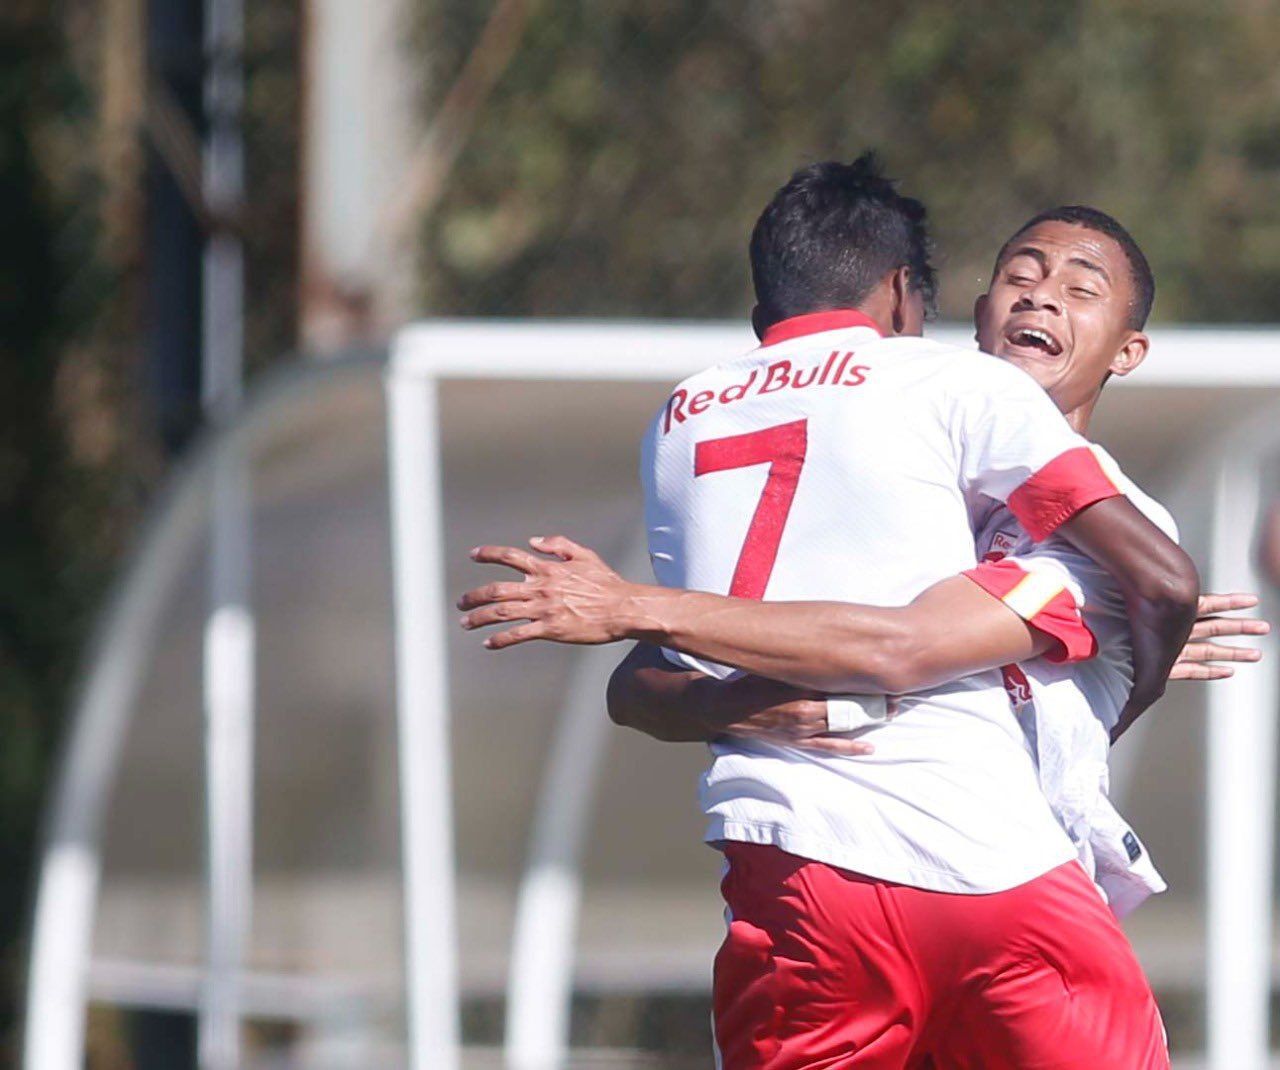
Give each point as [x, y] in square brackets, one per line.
[1069, 709]
[831, 463]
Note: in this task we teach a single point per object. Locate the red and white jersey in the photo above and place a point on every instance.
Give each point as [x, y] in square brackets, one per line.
[832, 463]
[1068, 709]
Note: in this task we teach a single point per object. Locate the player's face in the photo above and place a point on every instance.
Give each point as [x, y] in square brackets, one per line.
[1058, 307]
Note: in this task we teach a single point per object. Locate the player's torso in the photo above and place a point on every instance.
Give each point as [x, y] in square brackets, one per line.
[1068, 709]
[822, 469]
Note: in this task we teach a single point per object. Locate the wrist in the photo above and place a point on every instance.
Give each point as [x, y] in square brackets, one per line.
[643, 613]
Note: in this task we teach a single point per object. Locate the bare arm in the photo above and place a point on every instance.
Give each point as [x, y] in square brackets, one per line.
[1160, 586]
[951, 630]
[650, 694]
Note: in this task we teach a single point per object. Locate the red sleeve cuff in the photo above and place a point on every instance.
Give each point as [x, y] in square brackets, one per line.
[1043, 603]
[1070, 482]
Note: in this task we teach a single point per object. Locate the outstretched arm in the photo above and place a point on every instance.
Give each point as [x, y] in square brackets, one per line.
[570, 595]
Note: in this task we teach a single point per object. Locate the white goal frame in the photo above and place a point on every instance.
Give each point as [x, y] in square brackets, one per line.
[1241, 773]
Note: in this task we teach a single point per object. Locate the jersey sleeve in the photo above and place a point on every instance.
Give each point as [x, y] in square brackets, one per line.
[681, 660]
[1016, 447]
[1041, 589]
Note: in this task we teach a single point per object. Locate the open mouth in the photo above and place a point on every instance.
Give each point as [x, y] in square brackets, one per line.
[1035, 339]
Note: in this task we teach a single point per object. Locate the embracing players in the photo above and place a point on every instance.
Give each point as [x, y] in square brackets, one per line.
[920, 902]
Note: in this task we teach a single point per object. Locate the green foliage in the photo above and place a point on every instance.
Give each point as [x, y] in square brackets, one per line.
[620, 163]
[51, 513]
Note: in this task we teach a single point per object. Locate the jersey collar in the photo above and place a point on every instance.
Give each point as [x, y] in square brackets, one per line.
[837, 319]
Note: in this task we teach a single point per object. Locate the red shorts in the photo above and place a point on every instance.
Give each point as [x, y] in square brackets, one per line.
[825, 968]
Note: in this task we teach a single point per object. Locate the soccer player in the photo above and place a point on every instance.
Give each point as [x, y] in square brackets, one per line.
[927, 885]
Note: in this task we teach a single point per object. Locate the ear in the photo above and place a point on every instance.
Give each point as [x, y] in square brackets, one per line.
[979, 311]
[1131, 354]
[899, 292]
[758, 323]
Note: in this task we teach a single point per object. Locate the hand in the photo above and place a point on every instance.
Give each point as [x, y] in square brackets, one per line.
[751, 707]
[1201, 660]
[569, 595]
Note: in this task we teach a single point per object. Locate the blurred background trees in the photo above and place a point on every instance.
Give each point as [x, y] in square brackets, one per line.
[623, 157]
[603, 159]
[55, 535]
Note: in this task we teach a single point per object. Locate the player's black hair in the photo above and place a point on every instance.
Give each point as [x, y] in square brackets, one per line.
[830, 234]
[1144, 282]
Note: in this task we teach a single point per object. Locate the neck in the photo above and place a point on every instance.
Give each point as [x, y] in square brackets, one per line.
[1079, 417]
[879, 307]
[811, 322]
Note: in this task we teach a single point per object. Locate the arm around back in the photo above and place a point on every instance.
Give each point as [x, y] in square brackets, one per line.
[571, 596]
[1160, 585]
[650, 694]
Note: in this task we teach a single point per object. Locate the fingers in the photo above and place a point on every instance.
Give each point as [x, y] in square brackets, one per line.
[520, 560]
[1225, 603]
[1216, 627]
[1190, 670]
[850, 748]
[497, 613]
[522, 633]
[560, 546]
[757, 693]
[493, 592]
[1202, 652]
[791, 720]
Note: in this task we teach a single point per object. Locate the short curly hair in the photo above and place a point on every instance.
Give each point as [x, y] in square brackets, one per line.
[831, 233]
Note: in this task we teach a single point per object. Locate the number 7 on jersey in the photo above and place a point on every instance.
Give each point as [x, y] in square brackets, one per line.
[782, 448]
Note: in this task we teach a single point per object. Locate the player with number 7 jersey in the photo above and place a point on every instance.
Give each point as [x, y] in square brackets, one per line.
[833, 463]
[862, 489]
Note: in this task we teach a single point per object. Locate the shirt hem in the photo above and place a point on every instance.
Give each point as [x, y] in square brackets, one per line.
[832, 853]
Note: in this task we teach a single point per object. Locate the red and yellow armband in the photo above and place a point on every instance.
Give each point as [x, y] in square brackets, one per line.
[1041, 599]
[1070, 482]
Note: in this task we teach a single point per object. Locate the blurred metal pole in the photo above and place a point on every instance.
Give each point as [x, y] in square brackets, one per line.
[67, 891]
[540, 985]
[422, 710]
[229, 628]
[1241, 790]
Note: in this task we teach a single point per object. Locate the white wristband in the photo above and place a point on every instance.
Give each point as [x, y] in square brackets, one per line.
[845, 713]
